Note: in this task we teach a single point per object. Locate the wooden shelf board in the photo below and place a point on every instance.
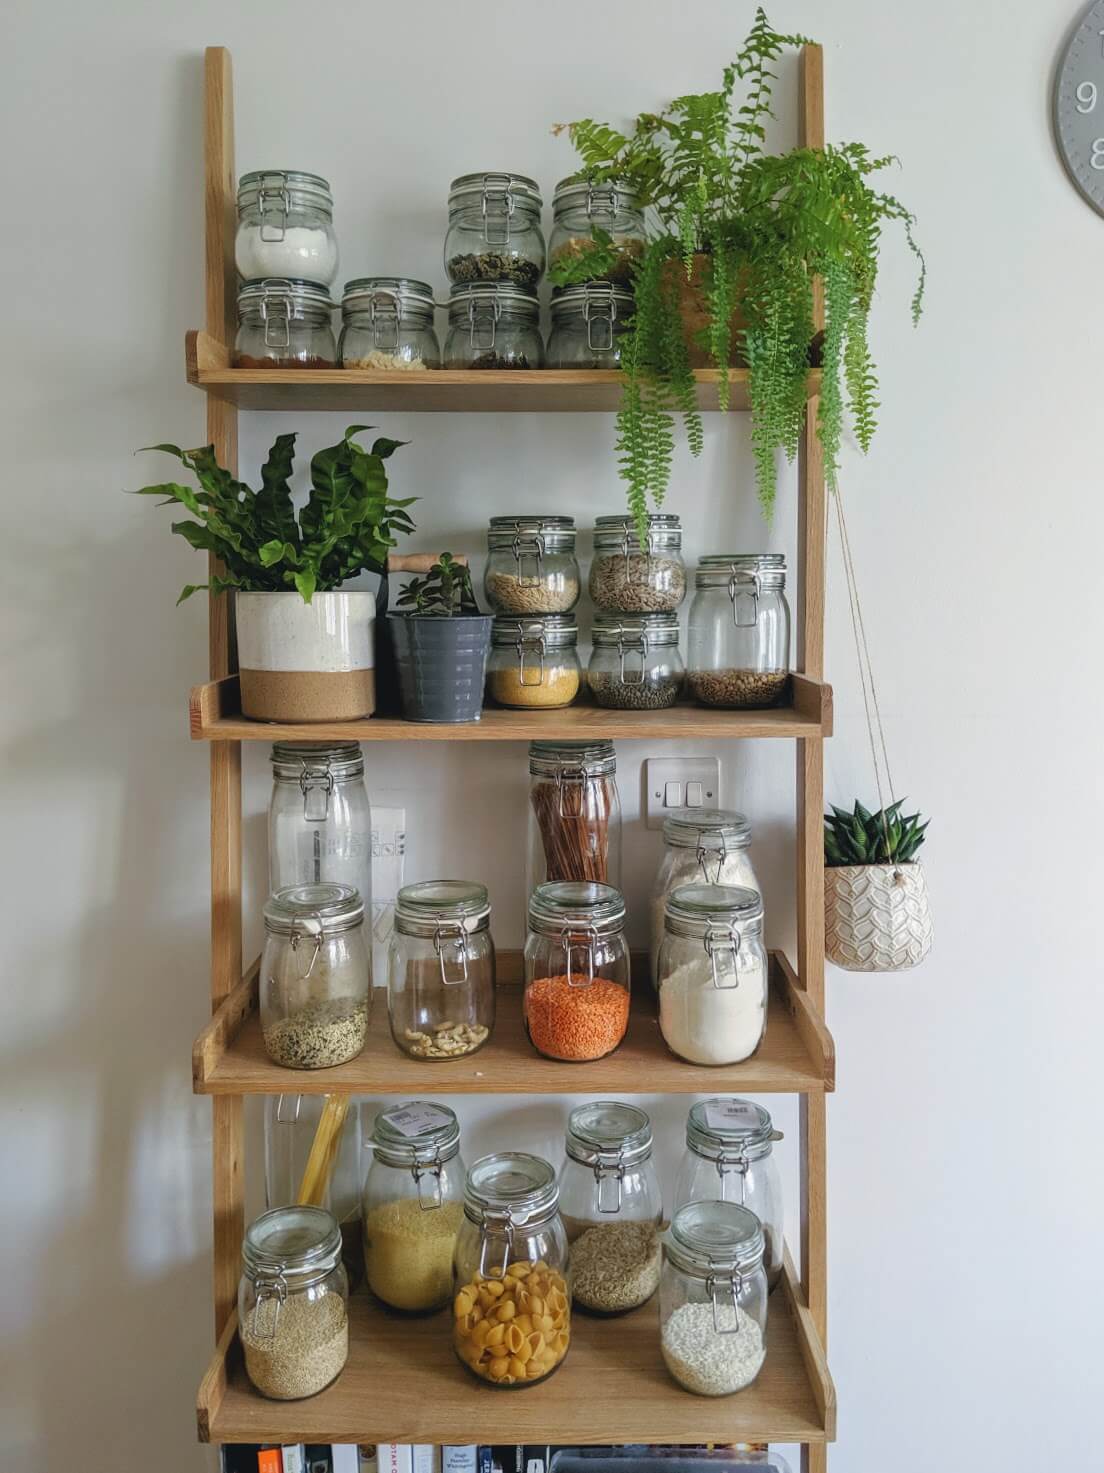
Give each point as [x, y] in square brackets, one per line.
[402, 1383]
[214, 714]
[797, 1054]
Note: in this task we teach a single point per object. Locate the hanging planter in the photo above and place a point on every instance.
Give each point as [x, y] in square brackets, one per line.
[876, 912]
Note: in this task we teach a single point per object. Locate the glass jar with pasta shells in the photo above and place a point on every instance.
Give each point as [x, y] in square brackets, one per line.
[713, 974]
[574, 814]
[729, 1158]
[319, 817]
[577, 974]
[628, 576]
[738, 650]
[441, 970]
[493, 325]
[534, 662]
[284, 324]
[635, 663]
[588, 323]
[709, 846]
[531, 565]
[387, 324]
[285, 227]
[597, 229]
[713, 1298]
[316, 976]
[494, 230]
[511, 1310]
[612, 1207]
[293, 1302]
[412, 1208]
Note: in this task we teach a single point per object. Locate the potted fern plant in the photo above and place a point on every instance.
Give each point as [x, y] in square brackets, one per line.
[737, 238]
[876, 912]
[305, 643]
[441, 641]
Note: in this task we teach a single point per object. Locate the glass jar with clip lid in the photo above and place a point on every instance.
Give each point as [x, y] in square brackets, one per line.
[574, 814]
[531, 565]
[588, 322]
[284, 324]
[630, 576]
[709, 846]
[319, 817]
[494, 230]
[493, 325]
[635, 663]
[534, 662]
[738, 649]
[598, 228]
[577, 974]
[387, 324]
[441, 970]
[285, 227]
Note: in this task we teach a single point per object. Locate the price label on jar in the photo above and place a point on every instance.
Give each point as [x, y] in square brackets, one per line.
[731, 1115]
[417, 1118]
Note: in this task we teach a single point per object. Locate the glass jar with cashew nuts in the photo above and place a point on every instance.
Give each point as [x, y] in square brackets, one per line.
[441, 970]
[511, 1309]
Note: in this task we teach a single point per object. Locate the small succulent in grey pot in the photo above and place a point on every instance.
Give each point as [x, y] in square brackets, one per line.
[441, 641]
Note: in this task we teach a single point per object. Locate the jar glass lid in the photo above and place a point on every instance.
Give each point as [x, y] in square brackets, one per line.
[560, 905]
[558, 631]
[719, 829]
[718, 569]
[612, 628]
[292, 1240]
[608, 1132]
[469, 296]
[573, 759]
[511, 1182]
[529, 525]
[316, 908]
[292, 760]
[292, 290]
[592, 294]
[424, 905]
[700, 910]
[466, 187]
[622, 532]
[596, 199]
[730, 1129]
[406, 291]
[294, 181]
[715, 1237]
[419, 1130]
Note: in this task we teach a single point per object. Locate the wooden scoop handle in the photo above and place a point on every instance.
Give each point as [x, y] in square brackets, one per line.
[417, 562]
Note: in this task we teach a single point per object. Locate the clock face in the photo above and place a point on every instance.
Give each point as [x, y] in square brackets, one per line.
[1079, 106]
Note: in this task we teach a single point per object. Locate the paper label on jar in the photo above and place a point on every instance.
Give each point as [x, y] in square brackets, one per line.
[731, 1115]
[414, 1119]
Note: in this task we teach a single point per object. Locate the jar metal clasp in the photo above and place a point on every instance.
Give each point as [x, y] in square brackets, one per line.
[607, 1174]
[571, 780]
[523, 644]
[497, 208]
[383, 313]
[274, 206]
[316, 784]
[704, 855]
[722, 942]
[601, 200]
[451, 936]
[728, 1167]
[307, 929]
[603, 313]
[272, 1290]
[584, 939]
[429, 1171]
[498, 1228]
[738, 594]
[724, 1291]
[480, 314]
[531, 548]
[638, 646]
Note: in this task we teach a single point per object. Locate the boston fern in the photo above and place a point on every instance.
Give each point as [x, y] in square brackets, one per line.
[759, 229]
[345, 527]
[863, 837]
[445, 592]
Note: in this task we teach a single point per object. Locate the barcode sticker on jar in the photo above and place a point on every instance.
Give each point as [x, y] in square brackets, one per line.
[731, 1115]
[414, 1119]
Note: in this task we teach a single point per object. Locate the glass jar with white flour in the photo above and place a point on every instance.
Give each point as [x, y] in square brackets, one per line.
[706, 846]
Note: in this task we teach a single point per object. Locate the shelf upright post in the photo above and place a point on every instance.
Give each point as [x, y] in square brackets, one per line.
[226, 917]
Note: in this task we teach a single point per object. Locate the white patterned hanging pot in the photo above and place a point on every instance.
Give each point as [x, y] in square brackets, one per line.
[876, 916]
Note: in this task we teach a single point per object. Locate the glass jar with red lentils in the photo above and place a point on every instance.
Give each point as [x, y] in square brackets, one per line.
[576, 970]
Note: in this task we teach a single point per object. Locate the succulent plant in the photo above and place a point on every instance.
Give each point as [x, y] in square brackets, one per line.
[445, 592]
[862, 837]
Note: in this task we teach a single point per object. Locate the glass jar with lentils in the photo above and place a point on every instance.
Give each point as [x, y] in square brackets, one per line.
[635, 664]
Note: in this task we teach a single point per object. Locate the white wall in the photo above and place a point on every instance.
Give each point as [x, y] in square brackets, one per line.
[964, 1190]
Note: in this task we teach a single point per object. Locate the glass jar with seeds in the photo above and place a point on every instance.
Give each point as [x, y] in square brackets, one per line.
[612, 1207]
[441, 970]
[738, 650]
[533, 662]
[628, 576]
[588, 323]
[284, 324]
[709, 846]
[494, 230]
[316, 976]
[412, 1205]
[577, 973]
[293, 1302]
[493, 325]
[713, 1298]
[635, 663]
[574, 814]
[387, 324]
[730, 1158]
[319, 817]
[531, 565]
[597, 231]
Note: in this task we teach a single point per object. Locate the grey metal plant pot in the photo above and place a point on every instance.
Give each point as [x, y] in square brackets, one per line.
[441, 663]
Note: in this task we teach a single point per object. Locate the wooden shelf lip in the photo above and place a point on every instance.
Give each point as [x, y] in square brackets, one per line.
[214, 714]
[477, 391]
[402, 1383]
[797, 1055]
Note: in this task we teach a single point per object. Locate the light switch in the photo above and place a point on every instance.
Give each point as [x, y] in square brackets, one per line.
[674, 782]
[694, 795]
[672, 795]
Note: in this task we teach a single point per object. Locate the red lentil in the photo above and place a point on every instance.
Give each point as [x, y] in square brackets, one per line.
[576, 1022]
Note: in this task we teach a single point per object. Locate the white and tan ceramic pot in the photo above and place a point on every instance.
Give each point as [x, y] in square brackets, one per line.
[307, 662]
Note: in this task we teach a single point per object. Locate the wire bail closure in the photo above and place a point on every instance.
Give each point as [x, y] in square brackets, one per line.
[275, 312]
[572, 939]
[314, 781]
[479, 314]
[496, 193]
[736, 592]
[430, 1171]
[720, 855]
[606, 1174]
[638, 645]
[498, 1227]
[603, 311]
[522, 644]
[274, 206]
[307, 928]
[271, 1289]
[532, 548]
[446, 934]
[719, 941]
[383, 313]
[724, 1290]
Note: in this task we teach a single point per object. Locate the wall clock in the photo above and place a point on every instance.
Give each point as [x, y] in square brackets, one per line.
[1079, 106]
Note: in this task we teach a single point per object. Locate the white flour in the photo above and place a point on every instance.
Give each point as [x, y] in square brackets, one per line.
[729, 869]
[310, 255]
[713, 1025]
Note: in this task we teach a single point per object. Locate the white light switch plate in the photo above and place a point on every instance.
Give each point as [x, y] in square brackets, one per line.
[667, 776]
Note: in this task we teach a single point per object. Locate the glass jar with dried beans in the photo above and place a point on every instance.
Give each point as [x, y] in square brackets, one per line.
[607, 215]
[576, 971]
[612, 1207]
[531, 565]
[284, 324]
[494, 230]
[574, 814]
[285, 227]
[588, 323]
[316, 976]
[441, 973]
[387, 324]
[630, 577]
[511, 1310]
[709, 846]
[319, 817]
[635, 663]
[293, 1302]
[534, 662]
[738, 651]
[412, 1205]
[493, 325]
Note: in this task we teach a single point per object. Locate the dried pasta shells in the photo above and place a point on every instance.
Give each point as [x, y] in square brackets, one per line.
[513, 1329]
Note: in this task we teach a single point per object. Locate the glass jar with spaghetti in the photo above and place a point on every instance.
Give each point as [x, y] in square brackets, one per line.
[576, 971]
[534, 663]
[511, 1310]
[441, 970]
[574, 814]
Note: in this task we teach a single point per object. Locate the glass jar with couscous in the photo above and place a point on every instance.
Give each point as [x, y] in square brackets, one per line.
[534, 663]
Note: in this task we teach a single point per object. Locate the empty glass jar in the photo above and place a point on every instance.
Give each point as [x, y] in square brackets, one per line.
[635, 663]
[574, 814]
[511, 1313]
[611, 1206]
[729, 1158]
[534, 662]
[739, 640]
[700, 845]
[387, 323]
[578, 210]
[531, 565]
[630, 577]
[284, 324]
[293, 1302]
[493, 325]
[441, 973]
[713, 1298]
[576, 971]
[713, 974]
[319, 817]
[588, 323]
[494, 230]
[316, 976]
[290, 1125]
[413, 1198]
[285, 227]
